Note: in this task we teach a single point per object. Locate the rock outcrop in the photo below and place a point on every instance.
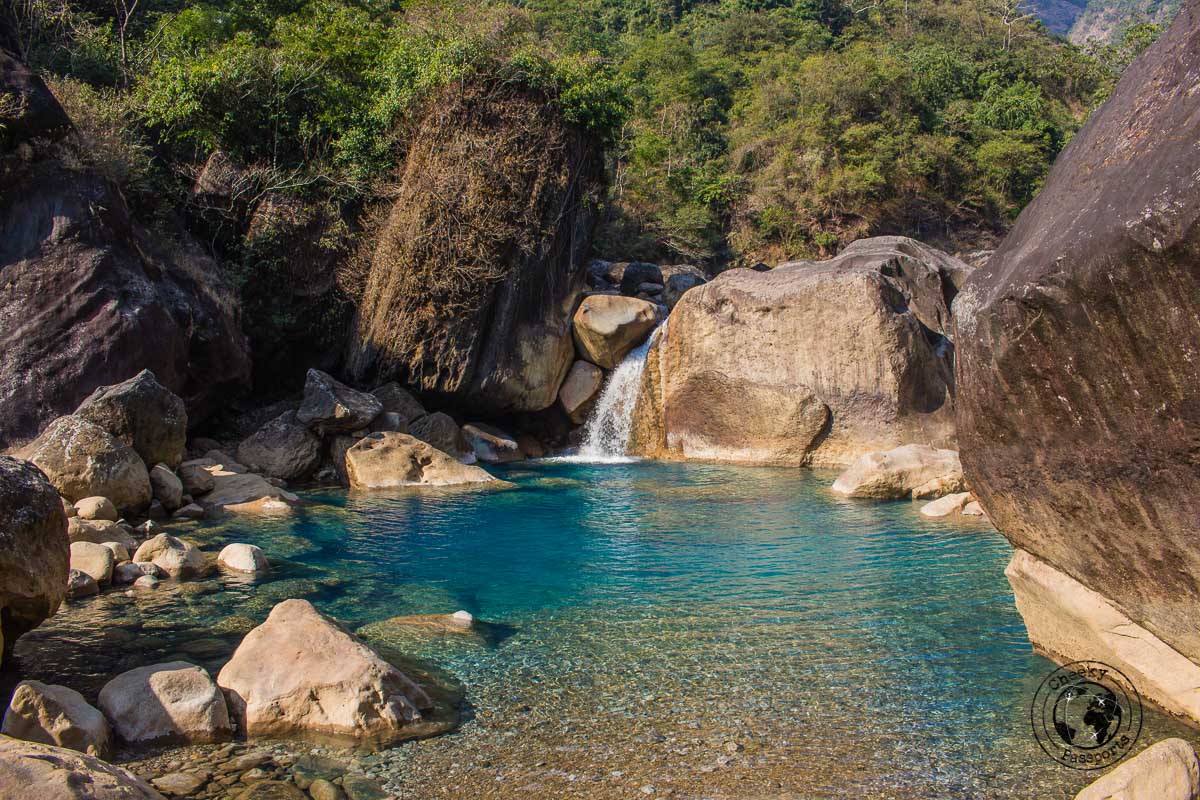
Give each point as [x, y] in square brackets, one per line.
[91, 298]
[1167, 770]
[479, 315]
[808, 363]
[84, 460]
[28, 769]
[35, 553]
[1078, 415]
[56, 715]
[393, 460]
[300, 673]
[166, 703]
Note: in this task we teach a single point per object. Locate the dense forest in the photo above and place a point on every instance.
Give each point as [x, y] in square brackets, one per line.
[737, 131]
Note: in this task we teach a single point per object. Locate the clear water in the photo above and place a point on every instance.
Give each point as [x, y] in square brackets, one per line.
[706, 631]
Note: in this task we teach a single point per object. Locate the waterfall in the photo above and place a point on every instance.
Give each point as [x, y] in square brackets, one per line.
[606, 434]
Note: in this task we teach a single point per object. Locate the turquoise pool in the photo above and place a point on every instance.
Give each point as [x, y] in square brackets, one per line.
[658, 629]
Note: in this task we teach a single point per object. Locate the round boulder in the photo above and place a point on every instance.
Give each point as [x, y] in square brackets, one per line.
[607, 327]
[83, 460]
[93, 559]
[174, 702]
[80, 584]
[176, 557]
[96, 508]
[56, 715]
[243, 558]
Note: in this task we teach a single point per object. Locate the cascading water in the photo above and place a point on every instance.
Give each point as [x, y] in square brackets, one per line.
[606, 434]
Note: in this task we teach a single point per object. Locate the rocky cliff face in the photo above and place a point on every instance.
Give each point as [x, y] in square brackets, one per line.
[1078, 410]
[87, 297]
[809, 363]
[478, 267]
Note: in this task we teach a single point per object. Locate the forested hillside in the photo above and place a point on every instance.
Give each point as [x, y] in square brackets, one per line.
[1101, 21]
[736, 131]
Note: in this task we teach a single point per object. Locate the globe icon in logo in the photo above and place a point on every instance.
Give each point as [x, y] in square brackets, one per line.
[1087, 715]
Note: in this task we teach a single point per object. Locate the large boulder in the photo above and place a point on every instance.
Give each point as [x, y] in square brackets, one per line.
[1167, 770]
[678, 279]
[1078, 413]
[96, 508]
[283, 448]
[173, 703]
[479, 314]
[176, 557]
[99, 531]
[94, 560]
[391, 460]
[243, 558]
[398, 400]
[29, 769]
[58, 716]
[82, 460]
[607, 327]
[896, 473]
[35, 553]
[143, 414]
[440, 430]
[808, 363]
[301, 673]
[166, 487]
[91, 298]
[330, 406]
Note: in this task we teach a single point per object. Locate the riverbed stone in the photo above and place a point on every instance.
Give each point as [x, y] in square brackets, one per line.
[96, 508]
[330, 406]
[166, 487]
[32, 770]
[243, 558]
[580, 390]
[321, 789]
[946, 506]
[190, 511]
[391, 460]
[180, 784]
[143, 414]
[56, 715]
[83, 460]
[175, 702]
[1167, 770]
[129, 572]
[491, 445]
[237, 490]
[176, 557]
[301, 673]
[120, 552]
[272, 790]
[893, 474]
[80, 584]
[607, 327]
[93, 559]
[282, 448]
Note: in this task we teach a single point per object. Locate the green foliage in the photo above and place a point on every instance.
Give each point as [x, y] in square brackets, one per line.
[738, 130]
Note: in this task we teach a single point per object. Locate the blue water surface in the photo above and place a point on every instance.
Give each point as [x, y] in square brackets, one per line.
[697, 630]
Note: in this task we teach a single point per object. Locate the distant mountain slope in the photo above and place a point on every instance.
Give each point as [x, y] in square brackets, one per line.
[1101, 20]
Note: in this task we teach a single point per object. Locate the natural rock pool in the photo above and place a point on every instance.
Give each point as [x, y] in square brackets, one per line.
[660, 629]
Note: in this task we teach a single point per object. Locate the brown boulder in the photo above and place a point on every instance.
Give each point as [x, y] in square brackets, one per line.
[35, 554]
[1078, 413]
[56, 715]
[83, 460]
[580, 390]
[398, 400]
[330, 406]
[31, 770]
[607, 327]
[441, 431]
[283, 448]
[807, 363]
